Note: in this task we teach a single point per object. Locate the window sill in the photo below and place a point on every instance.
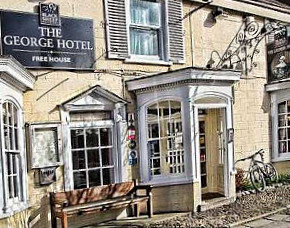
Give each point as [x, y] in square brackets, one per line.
[159, 182]
[16, 208]
[146, 61]
[281, 159]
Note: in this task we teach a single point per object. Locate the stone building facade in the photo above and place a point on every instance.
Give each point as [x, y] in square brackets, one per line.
[148, 71]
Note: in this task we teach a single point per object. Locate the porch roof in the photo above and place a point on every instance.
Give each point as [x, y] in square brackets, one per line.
[184, 75]
[15, 74]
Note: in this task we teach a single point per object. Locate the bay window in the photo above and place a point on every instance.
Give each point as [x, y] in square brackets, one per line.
[165, 138]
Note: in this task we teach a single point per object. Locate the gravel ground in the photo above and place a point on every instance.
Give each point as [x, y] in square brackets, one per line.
[245, 207]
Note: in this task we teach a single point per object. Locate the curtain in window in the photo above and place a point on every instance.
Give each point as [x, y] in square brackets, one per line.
[144, 42]
[145, 13]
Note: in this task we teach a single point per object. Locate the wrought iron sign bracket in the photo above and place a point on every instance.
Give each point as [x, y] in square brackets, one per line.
[241, 52]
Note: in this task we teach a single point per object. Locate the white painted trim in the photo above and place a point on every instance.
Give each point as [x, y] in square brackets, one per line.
[277, 97]
[11, 206]
[140, 60]
[32, 128]
[182, 75]
[246, 7]
[67, 125]
[15, 73]
[278, 86]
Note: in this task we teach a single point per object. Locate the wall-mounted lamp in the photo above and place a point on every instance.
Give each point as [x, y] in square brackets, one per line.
[211, 17]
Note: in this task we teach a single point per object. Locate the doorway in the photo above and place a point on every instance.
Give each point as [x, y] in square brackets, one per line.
[212, 150]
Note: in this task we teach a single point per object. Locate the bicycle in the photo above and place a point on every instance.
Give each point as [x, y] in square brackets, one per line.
[260, 171]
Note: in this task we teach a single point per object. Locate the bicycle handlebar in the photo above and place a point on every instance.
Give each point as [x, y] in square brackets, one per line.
[261, 151]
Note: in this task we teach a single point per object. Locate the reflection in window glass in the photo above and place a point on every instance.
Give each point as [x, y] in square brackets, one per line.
[145, 28]
[284, 127]
[92, 157]
[165, 138]
[10, 116]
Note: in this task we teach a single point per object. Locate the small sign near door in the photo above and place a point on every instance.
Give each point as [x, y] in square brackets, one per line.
[230, 135]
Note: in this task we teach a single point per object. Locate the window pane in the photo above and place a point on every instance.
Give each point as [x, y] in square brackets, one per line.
[15, 184]
[282, 107]
[77, 139]
[92, 137]
[16, 138]
[10, 114]
[145, 12]
[10, 186]
[282, 120]
[4, 113]
[153, 130]
[15, 118]
[6, 137]
[152, 113]
[108, 176]
[175, 109]
[94, 178]
[282, 134]
[144, 42]
[8, 160]
[11, 141]
[79, 161]
[14, 162]
[93, 158]
[164, 109]
[105, 134]
[80, 180]
[154, 148]
[282, 147]
[107, 157]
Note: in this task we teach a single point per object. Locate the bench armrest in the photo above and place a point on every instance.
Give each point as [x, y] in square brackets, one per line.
[148, 189]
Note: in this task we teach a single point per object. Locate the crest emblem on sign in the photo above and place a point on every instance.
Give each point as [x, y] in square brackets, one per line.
[49, 14]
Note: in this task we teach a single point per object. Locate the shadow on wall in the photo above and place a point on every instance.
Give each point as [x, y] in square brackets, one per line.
[40, 217]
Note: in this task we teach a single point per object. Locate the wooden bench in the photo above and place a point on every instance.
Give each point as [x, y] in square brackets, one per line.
[101, 198]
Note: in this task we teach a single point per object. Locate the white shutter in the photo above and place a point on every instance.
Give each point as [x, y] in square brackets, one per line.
[117, 40]
[175, 27]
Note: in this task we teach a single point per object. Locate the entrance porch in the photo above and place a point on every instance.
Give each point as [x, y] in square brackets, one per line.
[185, 131]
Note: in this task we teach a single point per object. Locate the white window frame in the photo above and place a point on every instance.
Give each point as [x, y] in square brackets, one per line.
[277, 97]
[32, 128]
[12, 205]
[160, 180]
[97, 125]
[162, 32]
[166, 137]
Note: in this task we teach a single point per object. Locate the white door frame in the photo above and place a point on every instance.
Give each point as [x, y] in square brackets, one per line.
[229, 154]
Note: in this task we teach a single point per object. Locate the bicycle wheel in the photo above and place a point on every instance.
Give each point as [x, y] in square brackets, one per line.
[257, 179]
[271, 172]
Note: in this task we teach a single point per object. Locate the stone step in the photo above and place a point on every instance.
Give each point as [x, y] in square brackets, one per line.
[216, 202]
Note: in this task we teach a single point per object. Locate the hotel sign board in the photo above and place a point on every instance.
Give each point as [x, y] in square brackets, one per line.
[278, 55]
[68, 46]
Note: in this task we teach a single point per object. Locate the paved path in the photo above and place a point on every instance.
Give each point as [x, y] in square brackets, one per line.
[273, 221]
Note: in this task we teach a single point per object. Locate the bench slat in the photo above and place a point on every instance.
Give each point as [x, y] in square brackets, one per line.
[103, 204]
[93, 194]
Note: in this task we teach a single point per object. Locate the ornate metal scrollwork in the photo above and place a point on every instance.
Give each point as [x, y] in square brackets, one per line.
[241, 52]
